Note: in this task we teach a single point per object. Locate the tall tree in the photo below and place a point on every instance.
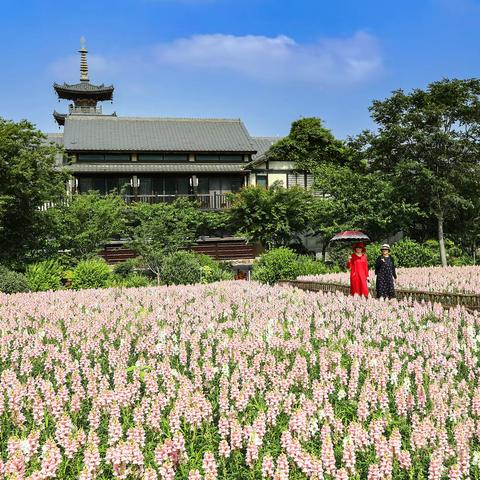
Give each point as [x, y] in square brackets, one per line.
[84, 224]
[428, 142]
[28, 179]
[356, 199]
[309, 144]
[160, 229]
[273, 217]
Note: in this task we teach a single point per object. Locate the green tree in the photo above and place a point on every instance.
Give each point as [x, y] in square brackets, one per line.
[273, 217]
[28, 179]
[428, 142]
[357, 200]
[161, 229]
[83, 225]
[309, 144]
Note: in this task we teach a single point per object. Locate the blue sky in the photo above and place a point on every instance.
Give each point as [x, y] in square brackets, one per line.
[267, 62]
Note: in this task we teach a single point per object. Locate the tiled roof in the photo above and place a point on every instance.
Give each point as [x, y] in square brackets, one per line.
[106, 133]
[262, 144]
[135, 167]
[83, 89]
[55, 138]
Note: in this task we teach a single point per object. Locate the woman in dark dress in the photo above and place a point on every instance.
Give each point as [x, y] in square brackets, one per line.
[385, 272]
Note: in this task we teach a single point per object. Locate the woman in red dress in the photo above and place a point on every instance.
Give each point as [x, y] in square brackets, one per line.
[358, 266]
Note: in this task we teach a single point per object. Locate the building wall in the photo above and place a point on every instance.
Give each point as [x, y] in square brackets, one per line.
[275, 177]
[281, 165]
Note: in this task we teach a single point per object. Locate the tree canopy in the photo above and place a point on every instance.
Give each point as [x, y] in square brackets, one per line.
[308, 145]
[28, 179]
[273, 217]
[428, 144]
[161, 229]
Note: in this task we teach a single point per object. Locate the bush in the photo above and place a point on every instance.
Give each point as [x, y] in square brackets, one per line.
[94, 273]
[409, 253]
[276, 264]
[181, 268]
[129, 281]
[12, 282]
[213, 271]
[126, 268]
[309, 266]
[43, 276]
[339, 253]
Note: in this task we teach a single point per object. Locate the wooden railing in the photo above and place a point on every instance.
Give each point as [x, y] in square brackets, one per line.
[470, 301]
[208, 201]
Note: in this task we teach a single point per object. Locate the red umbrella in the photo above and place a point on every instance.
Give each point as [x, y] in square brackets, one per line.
[350, 236]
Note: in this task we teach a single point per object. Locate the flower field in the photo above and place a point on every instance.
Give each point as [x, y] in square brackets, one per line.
[430, 279]
[236, 380]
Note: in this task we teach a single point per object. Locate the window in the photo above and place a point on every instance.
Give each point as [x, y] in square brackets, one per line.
[150, 157]
[213, 158]
[295, 179]
[180, 157]
[203, 185]
[104, 185]
[163, 157]
[103, 157]
[262, 181]
[91, 157]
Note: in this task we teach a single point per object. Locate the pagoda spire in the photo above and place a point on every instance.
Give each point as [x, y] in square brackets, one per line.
[83, 61]
[85, 95]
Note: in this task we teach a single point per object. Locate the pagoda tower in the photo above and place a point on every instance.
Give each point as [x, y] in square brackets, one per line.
[84, 95]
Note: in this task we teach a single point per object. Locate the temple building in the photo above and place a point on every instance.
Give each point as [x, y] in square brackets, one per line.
[157, 159]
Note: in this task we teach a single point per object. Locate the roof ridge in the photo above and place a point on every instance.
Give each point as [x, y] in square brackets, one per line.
[266, 137]
[180, 119]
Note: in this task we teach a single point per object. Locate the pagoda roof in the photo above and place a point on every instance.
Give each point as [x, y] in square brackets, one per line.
[84, 89]
[59, 117]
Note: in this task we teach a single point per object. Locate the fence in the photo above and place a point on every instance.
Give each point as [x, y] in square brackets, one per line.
[208, 201]
[470, 301]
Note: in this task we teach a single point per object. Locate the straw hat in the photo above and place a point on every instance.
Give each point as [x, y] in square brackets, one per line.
[385, 246]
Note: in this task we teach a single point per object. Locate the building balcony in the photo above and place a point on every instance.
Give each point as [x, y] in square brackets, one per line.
[207, 201]
[84, 110]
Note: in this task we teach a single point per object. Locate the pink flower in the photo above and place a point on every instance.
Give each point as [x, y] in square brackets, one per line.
[209, 466]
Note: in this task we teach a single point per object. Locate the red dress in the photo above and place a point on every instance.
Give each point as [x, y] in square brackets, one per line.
[358, 267]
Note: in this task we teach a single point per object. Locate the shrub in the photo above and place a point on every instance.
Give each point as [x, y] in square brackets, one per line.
[213, 271]
[181, 268]
[309, 266]
[93, 273]
[126, 268]
[129, 281]
[276, 264]
[43, 276]
[408, 253]
[12, 282]
[339, 253]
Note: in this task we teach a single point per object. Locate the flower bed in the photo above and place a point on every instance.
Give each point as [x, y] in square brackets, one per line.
[430, 279]
[235, 381]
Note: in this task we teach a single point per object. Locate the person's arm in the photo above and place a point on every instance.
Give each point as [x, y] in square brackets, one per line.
[394, 272]
[349, 263]
[378, 265]
[366, 267]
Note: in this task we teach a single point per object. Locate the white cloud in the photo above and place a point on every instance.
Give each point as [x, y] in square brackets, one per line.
[326, 63]
[330, 61]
